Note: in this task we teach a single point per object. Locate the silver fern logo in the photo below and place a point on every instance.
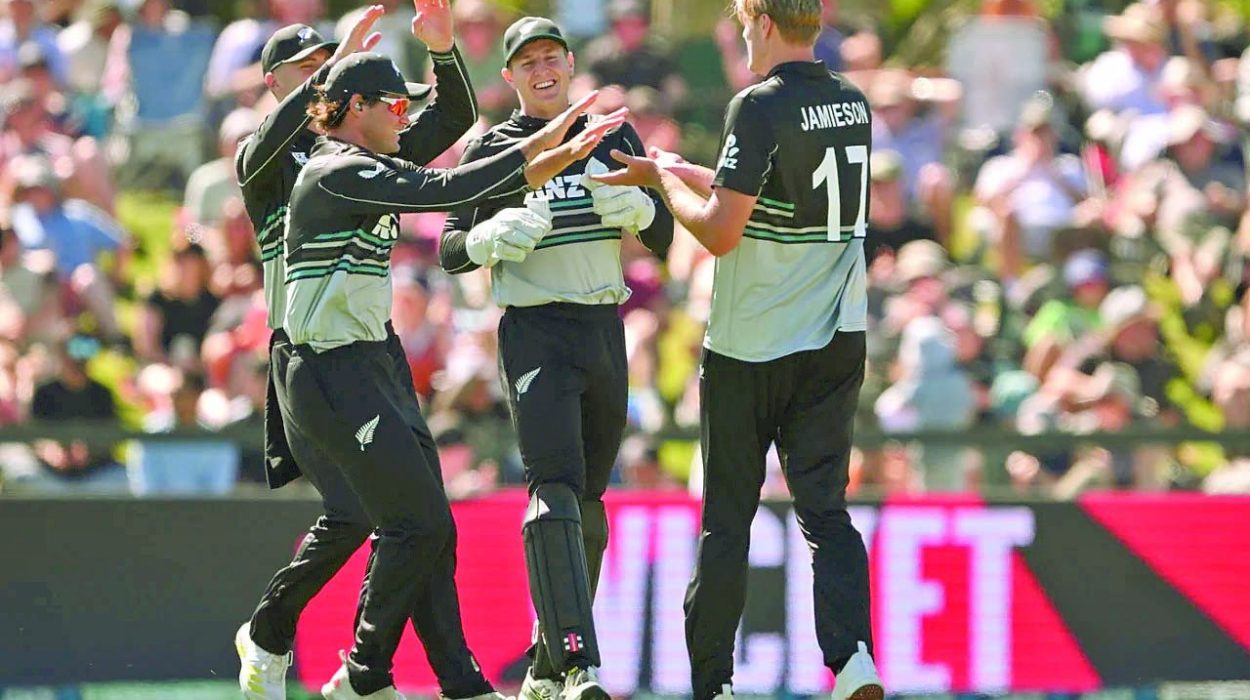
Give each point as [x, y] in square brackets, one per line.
[523, 383]
[365, 435]
[378, 168]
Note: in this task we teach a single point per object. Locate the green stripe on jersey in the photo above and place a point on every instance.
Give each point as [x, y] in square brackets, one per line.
[776, 204]
[273, 223]
[340, 266]
[600, 235]
[571, 203]
[811, 237]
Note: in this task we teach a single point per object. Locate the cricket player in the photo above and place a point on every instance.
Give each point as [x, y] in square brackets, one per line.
[341, 392]
[561, 346]
[784, 212]
[269, 161]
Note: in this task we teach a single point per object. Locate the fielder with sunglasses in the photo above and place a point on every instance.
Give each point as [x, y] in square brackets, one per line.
[296, 59]
[341, 392]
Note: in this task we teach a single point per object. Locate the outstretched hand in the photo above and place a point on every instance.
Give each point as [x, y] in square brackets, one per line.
[638, 171]
[359, 38]
[547, 153]
[433, 25]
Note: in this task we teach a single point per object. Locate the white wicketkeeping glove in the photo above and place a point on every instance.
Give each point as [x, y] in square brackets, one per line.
[618, 206]
[509, 235]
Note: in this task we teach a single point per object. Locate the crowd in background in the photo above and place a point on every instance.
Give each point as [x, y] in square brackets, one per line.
[1058, 234]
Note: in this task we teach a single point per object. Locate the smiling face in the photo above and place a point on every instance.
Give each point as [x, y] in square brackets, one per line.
[541, 73]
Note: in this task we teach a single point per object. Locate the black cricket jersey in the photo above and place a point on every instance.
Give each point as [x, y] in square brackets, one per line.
[269, 160]
[579, 261]
[800, 140]
[343, 222]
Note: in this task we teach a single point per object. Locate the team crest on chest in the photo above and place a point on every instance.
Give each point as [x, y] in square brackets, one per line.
[563, 187]
[301, 159]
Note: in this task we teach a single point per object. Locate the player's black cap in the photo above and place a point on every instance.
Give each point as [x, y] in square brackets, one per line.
[370, 74]
[528, 29]
[294, 42]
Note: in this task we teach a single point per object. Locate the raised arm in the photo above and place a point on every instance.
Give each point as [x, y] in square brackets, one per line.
[452, 113]
[260, 152]
[454, 109]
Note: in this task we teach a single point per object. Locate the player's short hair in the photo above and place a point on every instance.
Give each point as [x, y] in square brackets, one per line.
[797, 20]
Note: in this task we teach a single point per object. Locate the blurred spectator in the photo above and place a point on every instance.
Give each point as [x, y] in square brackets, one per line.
[652, 120]
[1031, 191]
[631, 56]
[477, 34]
[16, 386]
[425, 339]
[73, 396]
[913, 118]
[891, 223]
[470, 421]
[175, 319]
[916, 285]
[829, 42]
[1127, 77]
[30, 305]
[30, 130]
[1146, 135]
[1012, 38]
[190, 467]
[1232, 397]
[75, 232]
[215, 182]
[861, 54]
[19, 25]
[640, 465]
[1067, 319]
[581, 19]
[932, 393]
[85, 45]
[233, 74]
[1129, 336]
[158, 60]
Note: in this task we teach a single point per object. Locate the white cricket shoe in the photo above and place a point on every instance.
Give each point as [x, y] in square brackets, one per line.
[583, 684]
[338, 687]
[262, 675]
[858, 679]
[539, 688]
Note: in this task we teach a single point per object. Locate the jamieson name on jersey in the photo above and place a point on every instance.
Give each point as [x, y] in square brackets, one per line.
[829, 116]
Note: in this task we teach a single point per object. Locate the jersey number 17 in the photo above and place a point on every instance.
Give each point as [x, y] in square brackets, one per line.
[827, 174]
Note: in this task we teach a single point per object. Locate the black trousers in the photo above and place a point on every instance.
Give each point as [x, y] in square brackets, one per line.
[805, 403]
[386, 471]
[564, 369]
[567, 380]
